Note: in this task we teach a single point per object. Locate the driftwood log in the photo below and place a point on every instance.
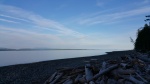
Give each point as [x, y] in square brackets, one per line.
[129, 69]
[88, 72]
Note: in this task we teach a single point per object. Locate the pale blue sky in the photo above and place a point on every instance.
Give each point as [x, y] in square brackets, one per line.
[100, 24]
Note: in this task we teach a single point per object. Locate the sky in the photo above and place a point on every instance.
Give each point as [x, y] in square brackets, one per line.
[90, 24]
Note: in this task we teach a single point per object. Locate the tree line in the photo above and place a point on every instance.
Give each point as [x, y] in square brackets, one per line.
[142, 42]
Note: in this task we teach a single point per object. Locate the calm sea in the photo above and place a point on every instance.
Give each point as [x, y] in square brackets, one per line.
[22, 57]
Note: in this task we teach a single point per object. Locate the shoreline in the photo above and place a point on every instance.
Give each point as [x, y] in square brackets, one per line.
[38, 72]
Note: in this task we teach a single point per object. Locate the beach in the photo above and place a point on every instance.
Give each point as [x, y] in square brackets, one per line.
[39, 72]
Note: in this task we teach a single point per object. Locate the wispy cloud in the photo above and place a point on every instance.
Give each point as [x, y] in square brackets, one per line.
[13, 17]
[37, 20]
[113, 17]
[5, 20]
[20, 37]
[14, 36]
[33, 39]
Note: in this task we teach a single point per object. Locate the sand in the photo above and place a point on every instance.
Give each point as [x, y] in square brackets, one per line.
[39, 72]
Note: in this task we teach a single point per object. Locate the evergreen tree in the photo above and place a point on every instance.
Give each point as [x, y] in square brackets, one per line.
[142, 43]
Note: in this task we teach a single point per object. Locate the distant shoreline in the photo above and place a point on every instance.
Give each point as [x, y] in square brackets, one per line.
[41, 49]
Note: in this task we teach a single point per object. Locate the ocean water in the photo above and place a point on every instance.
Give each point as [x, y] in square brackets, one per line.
[22, 57]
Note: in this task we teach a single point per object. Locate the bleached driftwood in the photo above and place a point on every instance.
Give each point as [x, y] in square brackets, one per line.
[124, 65]
[131, 78]
[91, 82]
[144, 80]
[56, 78]
[104, 71]
[69, 81]
[88, 72]
[51, 78]
[128, 70]
[104, 65]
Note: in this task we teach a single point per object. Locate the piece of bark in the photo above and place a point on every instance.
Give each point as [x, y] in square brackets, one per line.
[88, 72]
[104, 71]
[59, 75]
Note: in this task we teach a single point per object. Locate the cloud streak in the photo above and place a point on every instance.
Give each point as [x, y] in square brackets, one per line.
[13, 18]
[113, 17]
[37, 20]
[20, 38]
[10, 21]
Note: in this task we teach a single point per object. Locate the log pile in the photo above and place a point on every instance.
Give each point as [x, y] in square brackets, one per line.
[129, 69]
